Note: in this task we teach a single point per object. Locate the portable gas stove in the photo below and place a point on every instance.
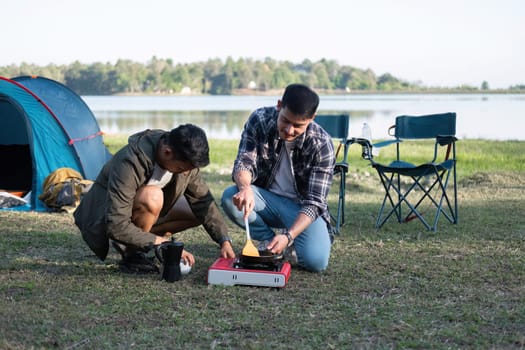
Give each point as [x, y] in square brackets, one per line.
[231, 272]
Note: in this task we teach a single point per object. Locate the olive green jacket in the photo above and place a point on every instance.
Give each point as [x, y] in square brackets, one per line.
[105, 211]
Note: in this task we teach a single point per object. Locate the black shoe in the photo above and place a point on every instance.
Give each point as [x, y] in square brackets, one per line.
[138, 263]
[119, 247]
[290, 255]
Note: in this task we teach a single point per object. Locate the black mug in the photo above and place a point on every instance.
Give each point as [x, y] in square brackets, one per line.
[169, 254]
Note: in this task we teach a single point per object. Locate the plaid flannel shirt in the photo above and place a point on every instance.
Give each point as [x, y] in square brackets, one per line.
[313, 159]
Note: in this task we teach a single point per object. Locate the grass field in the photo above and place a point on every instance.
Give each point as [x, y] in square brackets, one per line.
[400, 287]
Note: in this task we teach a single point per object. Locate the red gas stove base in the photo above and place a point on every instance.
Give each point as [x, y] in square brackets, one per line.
[224, 272]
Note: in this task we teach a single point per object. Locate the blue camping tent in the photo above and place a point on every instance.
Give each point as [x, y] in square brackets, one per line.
[44, 126]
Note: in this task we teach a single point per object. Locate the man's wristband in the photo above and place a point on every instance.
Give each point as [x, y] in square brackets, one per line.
[290, 238]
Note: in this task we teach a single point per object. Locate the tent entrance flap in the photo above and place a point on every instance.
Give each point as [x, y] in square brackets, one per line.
[16, 172]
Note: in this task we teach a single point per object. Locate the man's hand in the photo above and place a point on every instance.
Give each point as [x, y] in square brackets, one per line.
[227, 250]
[188, 257]
[244, 199]
[278, 244]
[161, 239]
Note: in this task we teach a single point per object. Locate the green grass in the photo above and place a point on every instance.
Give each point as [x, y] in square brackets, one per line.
[398, 287]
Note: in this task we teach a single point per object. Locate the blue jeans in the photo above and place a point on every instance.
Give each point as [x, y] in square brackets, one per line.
[273, 211]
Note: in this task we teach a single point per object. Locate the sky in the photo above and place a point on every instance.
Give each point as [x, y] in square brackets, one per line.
[441, 43]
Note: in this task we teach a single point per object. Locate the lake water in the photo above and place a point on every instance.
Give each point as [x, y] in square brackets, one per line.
[479, 116]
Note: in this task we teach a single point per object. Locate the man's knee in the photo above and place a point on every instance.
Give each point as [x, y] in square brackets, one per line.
[313, 247]
[227, 200]
[315, 263]
[149, 199]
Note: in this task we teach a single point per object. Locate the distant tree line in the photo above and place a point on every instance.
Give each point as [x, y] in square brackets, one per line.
[215, 77]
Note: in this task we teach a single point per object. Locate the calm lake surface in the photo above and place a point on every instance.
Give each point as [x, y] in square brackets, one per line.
[479, 116]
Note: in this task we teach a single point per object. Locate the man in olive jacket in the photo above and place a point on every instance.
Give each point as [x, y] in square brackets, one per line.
[150, 189]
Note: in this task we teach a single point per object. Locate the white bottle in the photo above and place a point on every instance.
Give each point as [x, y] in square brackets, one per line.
[366, 133]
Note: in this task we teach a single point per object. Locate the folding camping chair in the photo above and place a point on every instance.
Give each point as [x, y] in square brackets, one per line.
[407, 185]
[337, 126]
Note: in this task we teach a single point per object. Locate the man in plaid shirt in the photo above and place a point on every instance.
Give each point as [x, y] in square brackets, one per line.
[282, 174]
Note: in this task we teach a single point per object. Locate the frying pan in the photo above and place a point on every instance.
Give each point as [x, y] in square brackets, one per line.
[265, 257]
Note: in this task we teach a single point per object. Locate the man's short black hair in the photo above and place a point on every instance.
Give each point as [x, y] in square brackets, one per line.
[189, 143]
[300, 100]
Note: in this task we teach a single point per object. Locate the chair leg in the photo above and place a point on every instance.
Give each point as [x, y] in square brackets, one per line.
[456, 219]
[393, 183]
[442, 190]
[426, 194]
[389, 183]
[451, 215]
[340, 218]
[341, 202]
[436, 194]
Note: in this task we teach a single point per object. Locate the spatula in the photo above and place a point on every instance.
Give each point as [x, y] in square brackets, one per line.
[249, 248]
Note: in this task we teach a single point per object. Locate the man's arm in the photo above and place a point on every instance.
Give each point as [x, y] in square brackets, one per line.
[244, 199]
[203, 206]
[281, 242]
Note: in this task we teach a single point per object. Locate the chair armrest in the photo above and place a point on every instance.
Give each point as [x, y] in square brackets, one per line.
[365, 142]
[445, 139]
[358, 140]
[386, 143]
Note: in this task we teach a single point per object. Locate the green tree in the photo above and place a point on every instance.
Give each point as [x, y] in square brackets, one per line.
[281, 77]
[342, 79]
[213, 76]
[220, 84]
[321, 76]
[262, 75]
[387, 82]
[131, 76]
[362, 80]
[212, 67]
[243, 74]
